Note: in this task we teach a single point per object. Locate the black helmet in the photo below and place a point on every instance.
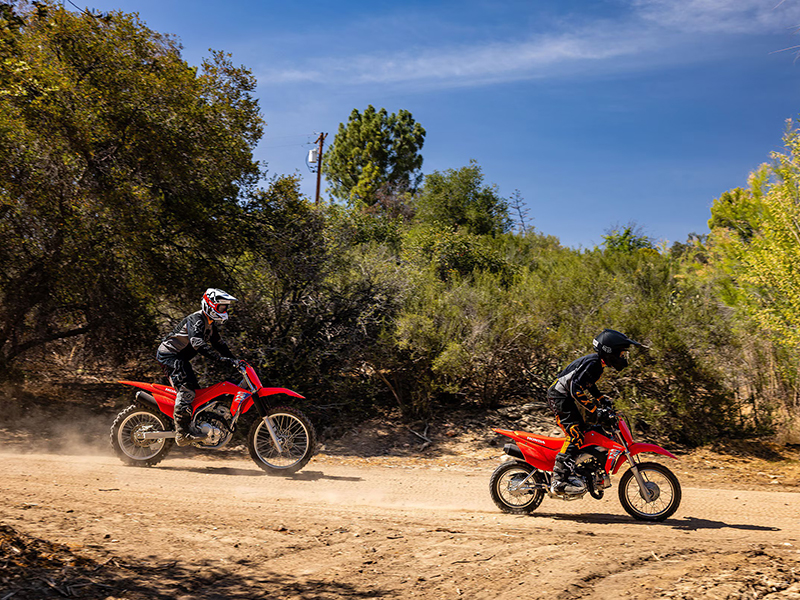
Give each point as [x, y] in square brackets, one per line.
[611, 346]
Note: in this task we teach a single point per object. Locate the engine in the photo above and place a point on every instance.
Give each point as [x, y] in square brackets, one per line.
[590, 466]
[214, 422]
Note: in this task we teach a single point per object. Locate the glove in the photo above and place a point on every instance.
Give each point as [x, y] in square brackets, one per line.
[234, 362]
[605, 417]
[605, 402]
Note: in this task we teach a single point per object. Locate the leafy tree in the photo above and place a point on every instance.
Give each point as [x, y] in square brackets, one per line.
[121, 169]
[458, 199]
[313, 304]
[628, 239]
[372, 151]
[456, 255]
[756, 237]
[739, 211]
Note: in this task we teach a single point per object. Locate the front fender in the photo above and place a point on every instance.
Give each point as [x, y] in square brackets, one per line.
[639, 448]
[265, 391]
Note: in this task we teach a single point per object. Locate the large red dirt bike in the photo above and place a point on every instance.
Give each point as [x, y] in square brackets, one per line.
[280, 441]
[648, 491]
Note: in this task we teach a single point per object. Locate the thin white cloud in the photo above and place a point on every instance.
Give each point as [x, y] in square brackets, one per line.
[652, 31]
[497, 60]
[721, 16]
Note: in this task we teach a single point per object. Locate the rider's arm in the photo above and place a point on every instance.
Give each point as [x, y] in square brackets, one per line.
[584, 385]
[195, 328]
[219, 344]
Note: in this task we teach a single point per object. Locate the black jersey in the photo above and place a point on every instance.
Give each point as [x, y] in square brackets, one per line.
[195, 335]
[580, 377]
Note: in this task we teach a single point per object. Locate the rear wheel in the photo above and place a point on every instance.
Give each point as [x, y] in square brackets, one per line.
[508, 495]
[665, 493]
[296, 435]
[126, 441]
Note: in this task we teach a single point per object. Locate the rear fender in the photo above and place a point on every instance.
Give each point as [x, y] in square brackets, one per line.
[163, 396]
[542, 458]
[537, 454]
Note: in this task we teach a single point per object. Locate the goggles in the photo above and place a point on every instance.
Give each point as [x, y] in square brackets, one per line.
[221, 308]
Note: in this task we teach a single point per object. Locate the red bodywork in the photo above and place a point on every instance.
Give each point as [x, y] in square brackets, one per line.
[540, 450]
[165, 396]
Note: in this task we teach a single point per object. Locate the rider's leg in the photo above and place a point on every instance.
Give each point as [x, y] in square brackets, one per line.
[183, 417]
[571, 422]
[564, 477]
[183, 379]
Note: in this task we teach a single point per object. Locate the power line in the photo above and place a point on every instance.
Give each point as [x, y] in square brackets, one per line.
[278, 137]
[295, 145]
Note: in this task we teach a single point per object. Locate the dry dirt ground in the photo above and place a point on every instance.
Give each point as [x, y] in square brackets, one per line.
[357, 522]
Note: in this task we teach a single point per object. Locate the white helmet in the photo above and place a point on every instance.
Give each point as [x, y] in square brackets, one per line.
[215, 304]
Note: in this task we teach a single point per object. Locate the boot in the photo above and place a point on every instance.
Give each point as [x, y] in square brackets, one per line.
[183, 432]
[564, 479]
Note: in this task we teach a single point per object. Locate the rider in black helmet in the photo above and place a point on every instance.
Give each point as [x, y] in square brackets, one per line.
[574, 393]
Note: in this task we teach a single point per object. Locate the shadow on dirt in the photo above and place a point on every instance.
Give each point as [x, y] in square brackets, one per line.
[216, 471]
[36, 569]
[317, 475]
[685, 524]
[695, 524]
[301, 476]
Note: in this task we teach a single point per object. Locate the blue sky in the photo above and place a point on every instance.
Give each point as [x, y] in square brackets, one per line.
[601, 113]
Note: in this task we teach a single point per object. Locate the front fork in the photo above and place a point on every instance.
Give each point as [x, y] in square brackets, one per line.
[263, 410]
[644, 490]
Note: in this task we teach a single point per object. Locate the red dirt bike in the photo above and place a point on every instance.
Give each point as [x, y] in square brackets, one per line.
[648, 491]
[281, 441]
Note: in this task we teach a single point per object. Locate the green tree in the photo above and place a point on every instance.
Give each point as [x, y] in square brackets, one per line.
[458, 199]
[372, 151]
[739, 210]
[757, 235]
[755, 239]
[628, 239]
[121, 171]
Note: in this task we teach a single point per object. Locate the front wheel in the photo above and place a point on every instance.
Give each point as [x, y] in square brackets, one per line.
[126, 437]
[509, 495]
[296, 435]
[665, 492]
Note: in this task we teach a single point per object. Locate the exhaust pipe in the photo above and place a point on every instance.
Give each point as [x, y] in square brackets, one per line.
[143, 397]
[514, 451]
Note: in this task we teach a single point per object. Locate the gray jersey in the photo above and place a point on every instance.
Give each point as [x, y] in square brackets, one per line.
[194, 335]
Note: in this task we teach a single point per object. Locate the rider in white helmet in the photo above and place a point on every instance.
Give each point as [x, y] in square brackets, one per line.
[196, 334]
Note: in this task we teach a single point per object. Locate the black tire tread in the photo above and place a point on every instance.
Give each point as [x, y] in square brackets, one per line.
[676, 487]
[494, 482]
[312, 442]
[150, 462]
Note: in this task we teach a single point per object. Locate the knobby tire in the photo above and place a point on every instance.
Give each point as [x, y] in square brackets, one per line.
[297, 435]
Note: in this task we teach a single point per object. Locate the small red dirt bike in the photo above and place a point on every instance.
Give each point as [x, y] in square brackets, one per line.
[281, 441]
[648, 491]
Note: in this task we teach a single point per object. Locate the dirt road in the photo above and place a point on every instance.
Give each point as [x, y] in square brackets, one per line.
[360, 528]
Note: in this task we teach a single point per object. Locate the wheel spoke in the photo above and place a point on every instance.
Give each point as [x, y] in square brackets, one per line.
[657, 483]
[128, 442]
[508, 487]
[293, 436]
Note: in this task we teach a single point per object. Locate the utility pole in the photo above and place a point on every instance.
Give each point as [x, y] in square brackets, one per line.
[320, 140]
